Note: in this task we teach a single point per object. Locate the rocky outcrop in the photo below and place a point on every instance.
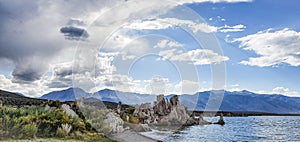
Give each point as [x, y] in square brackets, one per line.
[165, 113]
[161, 107]
[66, 108]
[114, 122]
[145, 113]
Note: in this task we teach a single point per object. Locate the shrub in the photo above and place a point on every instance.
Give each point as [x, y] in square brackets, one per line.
[64, 130]
[29, 131]
[59, 133]
[134, 120]
[129, 110]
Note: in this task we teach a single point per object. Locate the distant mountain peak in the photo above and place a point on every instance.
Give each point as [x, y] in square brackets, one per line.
[106, 89]
[69, 94]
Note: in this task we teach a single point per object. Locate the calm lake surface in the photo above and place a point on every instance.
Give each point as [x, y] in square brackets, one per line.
[256, 128]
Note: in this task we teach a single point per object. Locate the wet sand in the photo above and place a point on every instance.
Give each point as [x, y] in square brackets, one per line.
[131, 136]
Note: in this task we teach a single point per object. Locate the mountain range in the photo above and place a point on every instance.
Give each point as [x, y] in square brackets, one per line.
[237, 101]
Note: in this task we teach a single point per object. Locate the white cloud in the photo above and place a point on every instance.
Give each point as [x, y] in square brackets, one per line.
[281, 90]
[159, 85]
[158, 24]
[236, 28]
[186, 87]
[34, 89]
[167, 44]
[164, 23]
[272, 47]
[235, 85]
[197, 56]
[212, 1]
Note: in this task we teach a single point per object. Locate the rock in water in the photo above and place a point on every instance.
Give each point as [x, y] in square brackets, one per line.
[221, 120]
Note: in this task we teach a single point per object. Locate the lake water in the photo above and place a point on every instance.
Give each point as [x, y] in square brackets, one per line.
[256, 128]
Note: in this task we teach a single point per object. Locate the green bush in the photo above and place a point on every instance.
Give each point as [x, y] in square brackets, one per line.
[60, 133]
[35, 121]
[28, 131]
[129, 110]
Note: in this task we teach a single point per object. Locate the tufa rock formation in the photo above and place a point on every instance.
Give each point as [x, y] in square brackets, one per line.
[165, 113]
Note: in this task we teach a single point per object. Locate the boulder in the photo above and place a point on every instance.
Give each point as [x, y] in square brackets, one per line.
[114, 122]
[66, 108]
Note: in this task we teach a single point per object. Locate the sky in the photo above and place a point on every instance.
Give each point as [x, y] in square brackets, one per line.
[153, 47]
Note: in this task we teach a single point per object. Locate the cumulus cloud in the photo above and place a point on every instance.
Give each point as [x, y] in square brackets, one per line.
[283, 91]
[158, 85]
[272, 47]
[167, 43]
[164, 23]
[33, 89]
[197, 56]
[186, 87]
[158, 24]
[174, 51]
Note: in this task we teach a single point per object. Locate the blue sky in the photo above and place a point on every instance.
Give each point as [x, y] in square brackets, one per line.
[150, 47]
[256, 16]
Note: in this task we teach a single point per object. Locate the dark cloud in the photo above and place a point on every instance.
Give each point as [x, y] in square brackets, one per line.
[29, 70]
[60, 82]
[64, 73]
[23, 76]
[74, 33]
[62, 76]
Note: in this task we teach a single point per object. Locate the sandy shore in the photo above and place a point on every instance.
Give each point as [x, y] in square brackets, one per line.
[131, 136]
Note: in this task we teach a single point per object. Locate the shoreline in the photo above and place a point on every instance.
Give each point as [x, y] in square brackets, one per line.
[238, 113]
[130, 136]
